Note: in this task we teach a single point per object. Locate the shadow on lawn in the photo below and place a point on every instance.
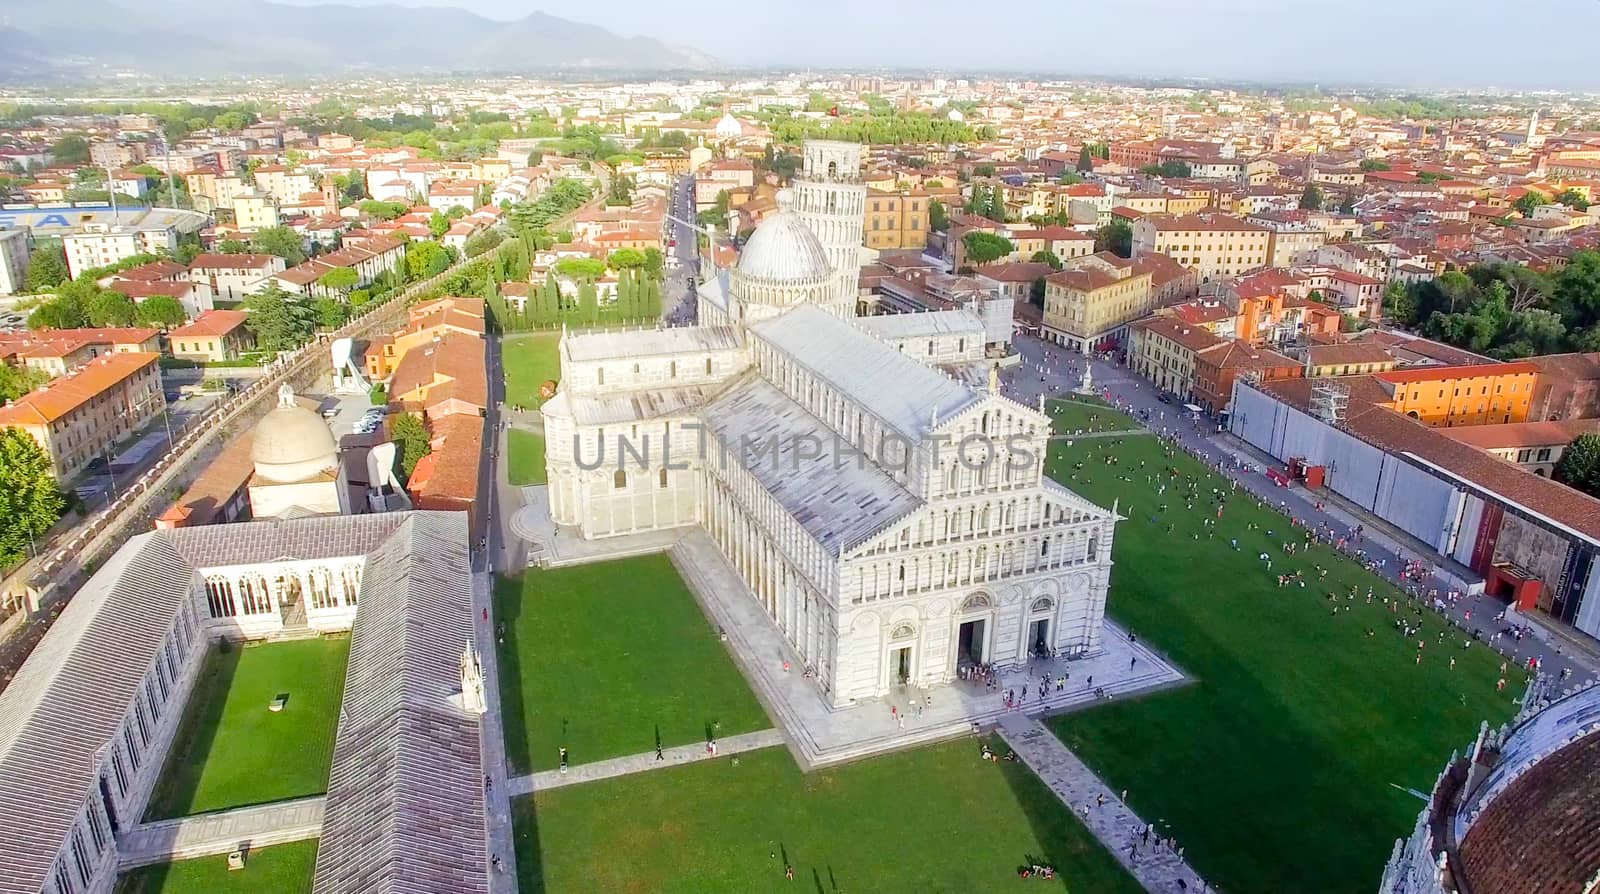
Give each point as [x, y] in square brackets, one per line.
[507, 610]
[525, 839]
[191, 746]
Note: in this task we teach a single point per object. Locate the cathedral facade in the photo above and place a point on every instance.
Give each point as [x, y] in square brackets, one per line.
[894, 522]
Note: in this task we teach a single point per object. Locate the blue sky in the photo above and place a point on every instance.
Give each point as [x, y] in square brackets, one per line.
[1430, 43]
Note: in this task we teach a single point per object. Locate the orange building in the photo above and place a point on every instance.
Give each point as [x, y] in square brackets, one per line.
[1443, 396]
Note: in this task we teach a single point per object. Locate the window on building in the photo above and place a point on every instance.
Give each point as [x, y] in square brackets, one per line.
[619, 480]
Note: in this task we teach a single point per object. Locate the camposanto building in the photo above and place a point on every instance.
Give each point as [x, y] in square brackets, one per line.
[893, 521]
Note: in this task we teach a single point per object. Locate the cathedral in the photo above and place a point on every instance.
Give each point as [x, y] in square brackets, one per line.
[894, 521]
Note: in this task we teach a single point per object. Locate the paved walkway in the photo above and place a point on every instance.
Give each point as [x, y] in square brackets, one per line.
[221, 832]
[1158, 868]
[643, 762]
[491, 744]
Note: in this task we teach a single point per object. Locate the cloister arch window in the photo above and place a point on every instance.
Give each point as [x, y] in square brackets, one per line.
[352, 583]
[619, 480]
[255, 597]
[322, 589]
[708, 366]
[219, 597]
[1044, 546]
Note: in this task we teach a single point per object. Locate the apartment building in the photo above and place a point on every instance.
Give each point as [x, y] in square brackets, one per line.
[56, 351]
[86, 413]
[102, 244]
[232, 277]
[1087, 307]
[1213, 245]
[116, 155]
[213, 335]
[896, 220]
[283, 184]
[1198, 365]
[254, 210]
[14, 253]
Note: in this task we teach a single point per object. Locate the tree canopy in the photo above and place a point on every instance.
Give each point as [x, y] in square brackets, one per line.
[160, 311]
[983, 248]
[1506, 310]
[30, 500]
[1115, 237]
[280, 321]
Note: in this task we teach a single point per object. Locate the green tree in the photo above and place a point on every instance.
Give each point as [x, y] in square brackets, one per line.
[330, 312]
[1529, 201]
[340, 279]
[30, 500]
[280, 241]
[983, 248]
[581, 268]
[1311, 199]
[383, 210]
[1573, 199]
[978, 201]
[1046, 257]
[408, 430]
[1399, 304]
[438, 224]
[233, 247]
[1115, 237]
[108, 308]
[997, 204]
[47, 267]
[16, 381]
[160, 311]
[1348, 205]
[280, 321]
[1579, 465]
[1085, 160]
[1372, 164]
[72, 149]
[1036, 292]
[938, 218]
[66, 310]
[425, 259]
[625, 259]
[588, 304]
[1169, 168]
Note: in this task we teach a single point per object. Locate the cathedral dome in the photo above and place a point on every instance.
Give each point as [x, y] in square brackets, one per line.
[783, 249]
[292, 443]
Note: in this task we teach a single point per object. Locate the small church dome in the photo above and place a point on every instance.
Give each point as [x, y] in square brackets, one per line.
[292, 443]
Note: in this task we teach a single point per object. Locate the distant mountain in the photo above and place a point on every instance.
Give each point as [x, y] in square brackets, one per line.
[186, 37]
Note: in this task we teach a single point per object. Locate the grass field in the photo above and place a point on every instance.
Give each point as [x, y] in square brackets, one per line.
[1081, 413]
[279, 869]
[933, 819]
[530, 360]
[1275, 769]
[230, 751]
[525, 457]
[603, 658]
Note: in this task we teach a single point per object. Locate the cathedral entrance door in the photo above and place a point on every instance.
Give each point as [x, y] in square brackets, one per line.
[969, 643]
[1039, 641]
[902, 665]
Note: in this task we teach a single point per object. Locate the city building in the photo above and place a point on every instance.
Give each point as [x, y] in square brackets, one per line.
[101, 244]
[1462, 395]
[878, 572]
[296, 471]
[215, 335]
[14, 254]
[56, 351]
[85, 414]
[1214, 245]
[234, 277]
[1088, 306]
[255, 210]
[897, 220]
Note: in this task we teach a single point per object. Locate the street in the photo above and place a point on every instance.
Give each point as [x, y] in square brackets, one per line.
[677, 292]
[1052, 370]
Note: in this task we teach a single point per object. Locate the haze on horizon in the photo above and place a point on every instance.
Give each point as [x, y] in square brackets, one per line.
[1438, 44]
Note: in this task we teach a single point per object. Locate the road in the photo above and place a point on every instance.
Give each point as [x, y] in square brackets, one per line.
[1050, 369]
[677, 293]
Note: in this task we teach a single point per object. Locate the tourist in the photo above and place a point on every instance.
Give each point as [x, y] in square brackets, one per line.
[563, 758]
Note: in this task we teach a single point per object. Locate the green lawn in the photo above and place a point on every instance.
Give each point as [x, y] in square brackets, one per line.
[603, 658]
[230, 751]
[524, 457]
[1275, 769]
[1086, 413]
[933, 819]
[279, 869]
[530, 360]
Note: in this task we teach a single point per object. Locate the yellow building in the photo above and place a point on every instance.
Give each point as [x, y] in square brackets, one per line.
[897, 220]
[85, 414]
[1213, 245]
[1442, 396]
[254, 210]
[1092, 302]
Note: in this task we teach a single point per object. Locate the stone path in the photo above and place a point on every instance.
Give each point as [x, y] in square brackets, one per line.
[1119, 829]
[491, 743]
[221, 832]
[643, 762]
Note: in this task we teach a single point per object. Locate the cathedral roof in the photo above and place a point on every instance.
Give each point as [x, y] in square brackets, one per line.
[839, 497]
[898, 390]
[693, 340]
[783, 249]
